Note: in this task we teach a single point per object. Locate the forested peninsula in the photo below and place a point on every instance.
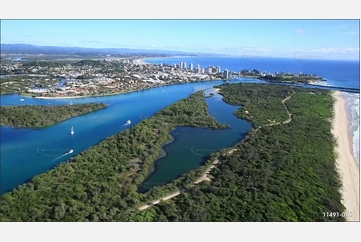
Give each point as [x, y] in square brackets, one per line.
[35, 116]
[101, 183]
[284, 170]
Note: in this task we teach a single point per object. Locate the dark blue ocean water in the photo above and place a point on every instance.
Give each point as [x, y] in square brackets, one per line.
[337, 73]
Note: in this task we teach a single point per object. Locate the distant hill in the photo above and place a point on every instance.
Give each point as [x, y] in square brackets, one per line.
[35, 49]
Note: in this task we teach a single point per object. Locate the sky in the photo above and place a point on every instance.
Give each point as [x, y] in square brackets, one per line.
[327, 39]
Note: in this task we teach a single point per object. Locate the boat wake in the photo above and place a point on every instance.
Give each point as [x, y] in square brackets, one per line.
[127, 123]
[67, 153]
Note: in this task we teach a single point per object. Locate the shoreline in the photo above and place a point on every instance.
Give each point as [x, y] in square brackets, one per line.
[86, 96]
[112, 94]
[319, 83]
[349, 118]
[164, 57]
[162, 154]
[345, 162]
[218, 90]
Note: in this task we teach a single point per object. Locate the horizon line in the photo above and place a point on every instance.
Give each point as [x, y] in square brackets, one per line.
[254, 56]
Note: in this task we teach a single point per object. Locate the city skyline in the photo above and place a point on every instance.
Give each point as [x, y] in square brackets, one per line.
[326, 39]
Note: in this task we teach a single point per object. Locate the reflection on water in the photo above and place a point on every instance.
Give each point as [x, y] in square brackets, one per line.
[192, 146]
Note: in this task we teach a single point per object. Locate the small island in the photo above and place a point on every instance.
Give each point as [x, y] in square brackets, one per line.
[34, 116]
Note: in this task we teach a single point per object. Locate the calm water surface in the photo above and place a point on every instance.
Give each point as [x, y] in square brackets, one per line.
[26, 153]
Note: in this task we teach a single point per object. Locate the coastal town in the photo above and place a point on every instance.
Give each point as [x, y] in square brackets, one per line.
[115, 76]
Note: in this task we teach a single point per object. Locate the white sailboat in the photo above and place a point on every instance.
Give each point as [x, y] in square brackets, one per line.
[72, 130]
[70, 151]
[128, 122]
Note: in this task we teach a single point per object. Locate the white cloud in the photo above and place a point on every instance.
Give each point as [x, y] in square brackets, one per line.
[255, 49]
[240, 49]
[351, 33]
[346, 50]
[344, 26]
[351, 53]
[328, 53]
[300, 31]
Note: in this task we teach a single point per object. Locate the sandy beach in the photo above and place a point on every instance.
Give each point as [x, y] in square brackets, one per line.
[346, 163]
[313, 83]
[139, 62]
[319, 83]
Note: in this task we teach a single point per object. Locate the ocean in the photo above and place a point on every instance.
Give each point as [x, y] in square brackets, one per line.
[338, 73]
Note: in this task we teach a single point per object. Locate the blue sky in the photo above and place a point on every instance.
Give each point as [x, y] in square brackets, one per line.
[327, 39]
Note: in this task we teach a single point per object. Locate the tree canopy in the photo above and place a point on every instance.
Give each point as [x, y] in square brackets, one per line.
[280, 172]
[35, 116]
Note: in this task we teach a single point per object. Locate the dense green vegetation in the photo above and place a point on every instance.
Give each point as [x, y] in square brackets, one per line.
[261, 105]
[44, 63]
[33, 116]
[279, 173]
[101, 183]
[292, 79]
[94, 63]
[283, 172]
[61, 63]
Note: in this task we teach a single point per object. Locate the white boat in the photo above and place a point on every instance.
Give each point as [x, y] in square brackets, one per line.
[70, 151]
[71, 103]
[22, 99]
[128, 122]
[72, 130]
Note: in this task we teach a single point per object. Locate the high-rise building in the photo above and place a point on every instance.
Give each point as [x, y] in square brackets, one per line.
[198, 67]
[209, 70]
[183, 65]
[174, 65]
[191, 66]
[226, 73]
[218, 69]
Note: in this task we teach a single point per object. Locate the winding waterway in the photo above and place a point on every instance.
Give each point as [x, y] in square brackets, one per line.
[26, 153]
